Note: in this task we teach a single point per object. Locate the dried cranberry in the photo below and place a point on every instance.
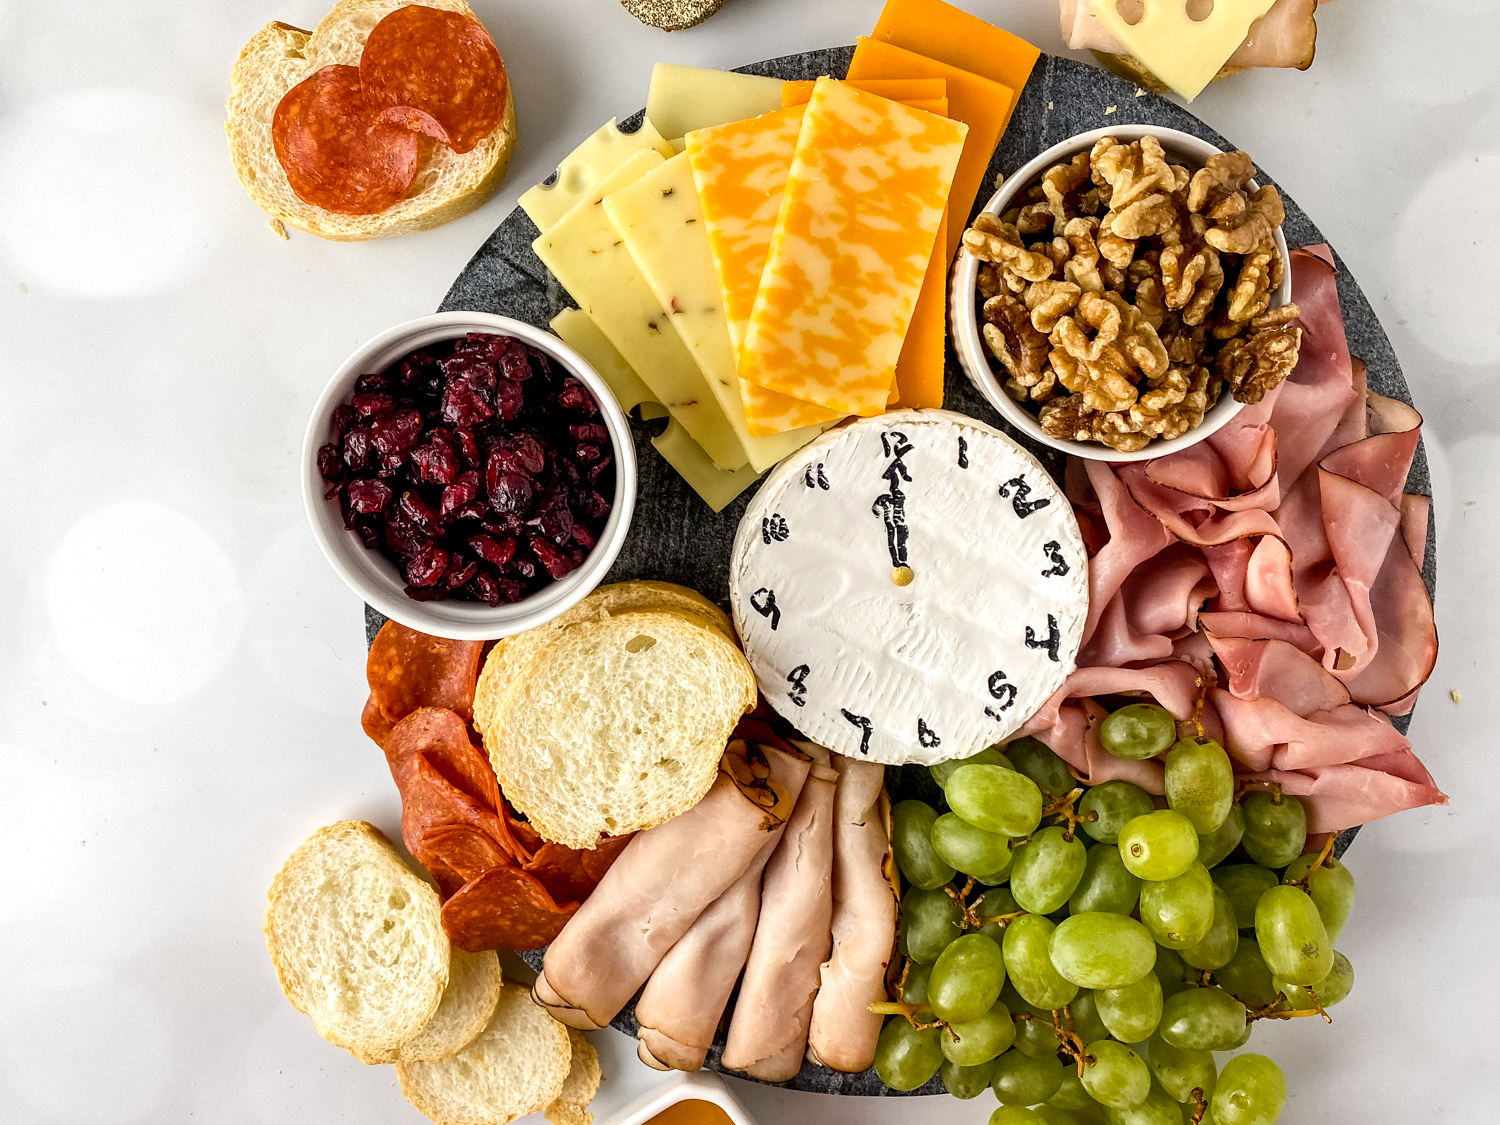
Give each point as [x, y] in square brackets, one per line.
[557, 563]
[522, 454]
[511, 590]
[357, 449]
[515, 362]
[428, 567]
[373, 405]
[487, 589]
[522, 563]
[330, 463]
[583, 537]
[497, 551]
[343, 418]
[510, 493]
[586, 454]
[575, 396]
[405, 538]
[435, 463]
[556, 523]
[463, 406]
[391, 463]
[570, 471]
[594, 506]
[368, 495]
[589, 431]
[468, 445]
[427, 593]
[509, 398]
[484, 345]
[418, 511]
[460, 572]
[596, 470]
[459, 493]
[398, 432]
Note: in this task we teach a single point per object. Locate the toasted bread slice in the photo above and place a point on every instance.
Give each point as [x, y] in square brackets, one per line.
[448, 184]
[357, 940]
[515, 1066]
[619, 724]
[579, 1088]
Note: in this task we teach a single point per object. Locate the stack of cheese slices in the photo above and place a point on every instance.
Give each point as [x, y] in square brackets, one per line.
[762, 259]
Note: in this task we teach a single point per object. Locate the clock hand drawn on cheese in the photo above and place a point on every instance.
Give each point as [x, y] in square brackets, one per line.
[910, 587]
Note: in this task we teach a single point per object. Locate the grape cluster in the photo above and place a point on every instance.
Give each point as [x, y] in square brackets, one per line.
[1082, 952]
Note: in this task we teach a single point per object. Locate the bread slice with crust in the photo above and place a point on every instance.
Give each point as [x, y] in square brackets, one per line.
[357, 940]
[579, 1088]
[473, 991]
[448, 184]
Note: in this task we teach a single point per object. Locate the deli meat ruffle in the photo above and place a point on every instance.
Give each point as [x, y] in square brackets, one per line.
[1280, 560]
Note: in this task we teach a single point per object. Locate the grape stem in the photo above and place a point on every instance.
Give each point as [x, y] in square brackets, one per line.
[959, 896]
[909, 1011]
[1062, 809]
[1204, 683]
[1068, 1039]
[1200, 1104]
[1305, 883]
[1276, 1010]
[1247, 785]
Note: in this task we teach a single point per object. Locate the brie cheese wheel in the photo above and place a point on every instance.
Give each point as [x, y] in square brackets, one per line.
[911, 587]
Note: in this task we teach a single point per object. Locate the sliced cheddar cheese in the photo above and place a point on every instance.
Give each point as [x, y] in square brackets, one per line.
[897, 89]
[980, 103]
[585, 168]
[661, 221]
[859, 217]
[945, 33]
[684, 98]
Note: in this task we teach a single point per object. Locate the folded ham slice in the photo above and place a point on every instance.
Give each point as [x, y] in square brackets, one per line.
[844, 1030]
[768, 1032]
[664, 879]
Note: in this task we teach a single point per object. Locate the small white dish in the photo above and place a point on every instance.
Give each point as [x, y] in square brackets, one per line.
[375, 578]
[700, 1085]
[1181, 148]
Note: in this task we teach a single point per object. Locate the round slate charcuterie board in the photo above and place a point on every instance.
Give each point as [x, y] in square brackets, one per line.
[674, 537]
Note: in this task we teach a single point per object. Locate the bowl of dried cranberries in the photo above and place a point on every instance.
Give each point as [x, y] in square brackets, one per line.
[469, 475]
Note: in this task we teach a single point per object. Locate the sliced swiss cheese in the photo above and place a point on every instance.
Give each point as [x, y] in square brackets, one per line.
[1183, 52]
[585, 168]
[661, 221]
[860, 214]
[897, 89]
[589, 259]
[945, 33]
[980, 103]
[684, 98]
[580, 333]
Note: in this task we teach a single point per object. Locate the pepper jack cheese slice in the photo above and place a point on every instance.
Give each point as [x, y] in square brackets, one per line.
[684, 98]
[863, 203]
[585, 168]
[660, 219]
[589, 259]
[1183, 52]
[909, 588]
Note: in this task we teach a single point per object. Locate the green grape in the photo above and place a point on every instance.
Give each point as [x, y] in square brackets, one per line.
[1292, 937]
[1242, 1038]
[1172, 971]
[990, 756]
[1252, 1091]
[1046, 870]
[1028, 962]
[1274, 833]
[1090, 1113]
[1157, 1109]
[1036, 760]
[1022, 1080]
[967, 979]
[1131, 1013]
[1014, 1115]
[1037, 1038]
[1244, 883]
[1084, 1008]
[981, 1040]
[930, 920]
[1070, 1095]
[965, 1081]
[1115, 1076]
[971, 850]
[995, 903]
[1214, 847]
[1112, 805]
[1159, 845]
[905, 1057]
[1202, 1019]
[1330, 990]
[1179, 912]
[1246, 977]
[1141, 730]
[1102, 950]
[995, 799]
[1180, 1071]
[1200, 782]
[1106, 884]
[911, 841]
[1216, 947]
[914, 991]
[1332, 890]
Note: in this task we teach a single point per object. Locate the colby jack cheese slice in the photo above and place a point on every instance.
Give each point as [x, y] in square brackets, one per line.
[863, 203]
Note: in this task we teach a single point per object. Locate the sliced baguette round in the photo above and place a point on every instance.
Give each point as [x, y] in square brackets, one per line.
[469, 1001]
[619, 724]
[357, 940]
[448, 184]
[511, 654]
[579, 1088]
[515, 1066]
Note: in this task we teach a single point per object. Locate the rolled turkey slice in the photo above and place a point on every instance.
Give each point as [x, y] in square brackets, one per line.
[844, 1030]
[1286, 36]
[768, 1032]
[662, 881]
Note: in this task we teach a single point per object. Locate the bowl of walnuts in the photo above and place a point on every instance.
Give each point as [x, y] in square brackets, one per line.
[1125, 293]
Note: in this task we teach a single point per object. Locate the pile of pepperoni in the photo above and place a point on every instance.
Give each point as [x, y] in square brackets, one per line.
[349, 137]
[503, 886]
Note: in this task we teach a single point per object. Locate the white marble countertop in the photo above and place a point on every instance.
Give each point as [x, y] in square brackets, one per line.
[181, 672]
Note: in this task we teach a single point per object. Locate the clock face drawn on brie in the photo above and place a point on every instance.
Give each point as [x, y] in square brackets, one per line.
[910, 587]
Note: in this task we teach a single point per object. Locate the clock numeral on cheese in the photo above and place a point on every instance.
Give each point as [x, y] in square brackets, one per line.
[1053, 550]
[926, 736]
[797, 677]
[1050, 642]
[865, 728]
[774, 527]
[1002, 691]
[1022, 506]
[763, 601]
[891, 506]
[814, 477]
[963, 453]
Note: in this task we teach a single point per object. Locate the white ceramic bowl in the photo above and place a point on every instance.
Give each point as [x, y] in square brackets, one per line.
[373, 577]
[700, 1085]
[1181, 148]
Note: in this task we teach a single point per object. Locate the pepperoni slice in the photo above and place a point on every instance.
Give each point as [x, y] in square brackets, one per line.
[443, 738]
[560, 869]
[376, 725]
[337, 153]
[505, 908]
[456, 853]
[598, 861]
[442, 65]
[429, 800]
[407, 669]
